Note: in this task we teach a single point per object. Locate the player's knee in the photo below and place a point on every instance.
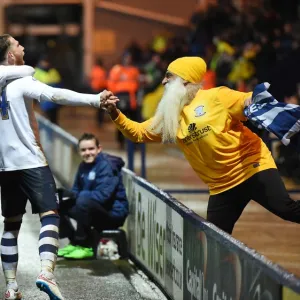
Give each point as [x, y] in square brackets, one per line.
[13, 219]
[50, 219]
[13, 223]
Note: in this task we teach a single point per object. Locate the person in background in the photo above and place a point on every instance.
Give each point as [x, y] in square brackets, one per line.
[46, 73]
[152, 89]
[123, 81]
[97, 199]
[98, 82]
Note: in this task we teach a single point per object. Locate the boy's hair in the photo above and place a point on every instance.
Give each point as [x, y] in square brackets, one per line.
[87, 137]
[4, 46]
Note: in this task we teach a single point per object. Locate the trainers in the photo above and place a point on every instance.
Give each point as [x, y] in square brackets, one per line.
[66, 250]
[12, 292]
[80, 253]
[47, 283]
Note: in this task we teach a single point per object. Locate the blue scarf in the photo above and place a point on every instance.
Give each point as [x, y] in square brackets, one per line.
[266, 112]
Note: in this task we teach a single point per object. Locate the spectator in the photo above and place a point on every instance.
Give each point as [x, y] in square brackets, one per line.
[47, 74]
[123, 81]
[98, 82]
[153, 73]
[153, 89]
[135, 51]
[97, 200]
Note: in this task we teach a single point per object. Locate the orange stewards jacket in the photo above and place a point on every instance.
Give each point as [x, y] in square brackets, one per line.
[124, 79]
[221, 150]
[98, 79]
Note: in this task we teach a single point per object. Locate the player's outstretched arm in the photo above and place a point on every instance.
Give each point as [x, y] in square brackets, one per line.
[35, 89]
[68, 97]
[13, 72]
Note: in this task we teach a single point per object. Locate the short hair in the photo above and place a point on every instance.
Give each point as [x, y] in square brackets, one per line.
[88, 137]
[4, 46]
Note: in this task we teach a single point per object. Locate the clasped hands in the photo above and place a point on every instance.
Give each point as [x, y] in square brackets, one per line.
[108, 101]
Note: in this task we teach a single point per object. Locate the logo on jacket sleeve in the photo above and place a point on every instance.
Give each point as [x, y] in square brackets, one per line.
[199, 111]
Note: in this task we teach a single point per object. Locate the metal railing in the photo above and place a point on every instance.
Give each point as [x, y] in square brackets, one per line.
[188, 257]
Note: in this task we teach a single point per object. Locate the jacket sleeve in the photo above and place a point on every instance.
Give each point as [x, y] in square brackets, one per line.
[105, 184]
[75, 187]
[136, 132]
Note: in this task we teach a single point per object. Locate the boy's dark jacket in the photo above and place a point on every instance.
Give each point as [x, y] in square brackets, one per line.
[102, 182]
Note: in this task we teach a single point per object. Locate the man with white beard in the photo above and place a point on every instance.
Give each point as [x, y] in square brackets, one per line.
[207, 126]
[166, 119]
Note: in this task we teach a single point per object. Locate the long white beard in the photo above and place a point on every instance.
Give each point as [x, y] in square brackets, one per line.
[167, 116]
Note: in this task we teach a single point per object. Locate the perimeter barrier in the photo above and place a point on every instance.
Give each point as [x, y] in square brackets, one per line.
[188, 257]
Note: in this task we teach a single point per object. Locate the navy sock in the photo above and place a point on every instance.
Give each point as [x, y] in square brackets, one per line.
[9, 249]
[48, 242]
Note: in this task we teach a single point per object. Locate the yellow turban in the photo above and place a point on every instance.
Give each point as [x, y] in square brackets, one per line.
[191, 69]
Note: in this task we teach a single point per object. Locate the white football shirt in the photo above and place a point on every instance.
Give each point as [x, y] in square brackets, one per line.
[20, 147]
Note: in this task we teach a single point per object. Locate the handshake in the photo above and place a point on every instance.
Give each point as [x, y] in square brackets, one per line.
[108, 102]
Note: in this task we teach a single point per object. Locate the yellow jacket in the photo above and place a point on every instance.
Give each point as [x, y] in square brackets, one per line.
[221, 150]
[50, 77]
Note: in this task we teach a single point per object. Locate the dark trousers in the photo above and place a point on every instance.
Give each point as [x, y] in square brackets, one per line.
[87, 213]
[265, 187]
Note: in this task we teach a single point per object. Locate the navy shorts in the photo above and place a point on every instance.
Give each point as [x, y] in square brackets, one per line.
[36, 185]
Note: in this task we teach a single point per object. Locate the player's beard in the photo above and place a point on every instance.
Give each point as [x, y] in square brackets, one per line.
[18, 58]
[19, 61]
[167, 116]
